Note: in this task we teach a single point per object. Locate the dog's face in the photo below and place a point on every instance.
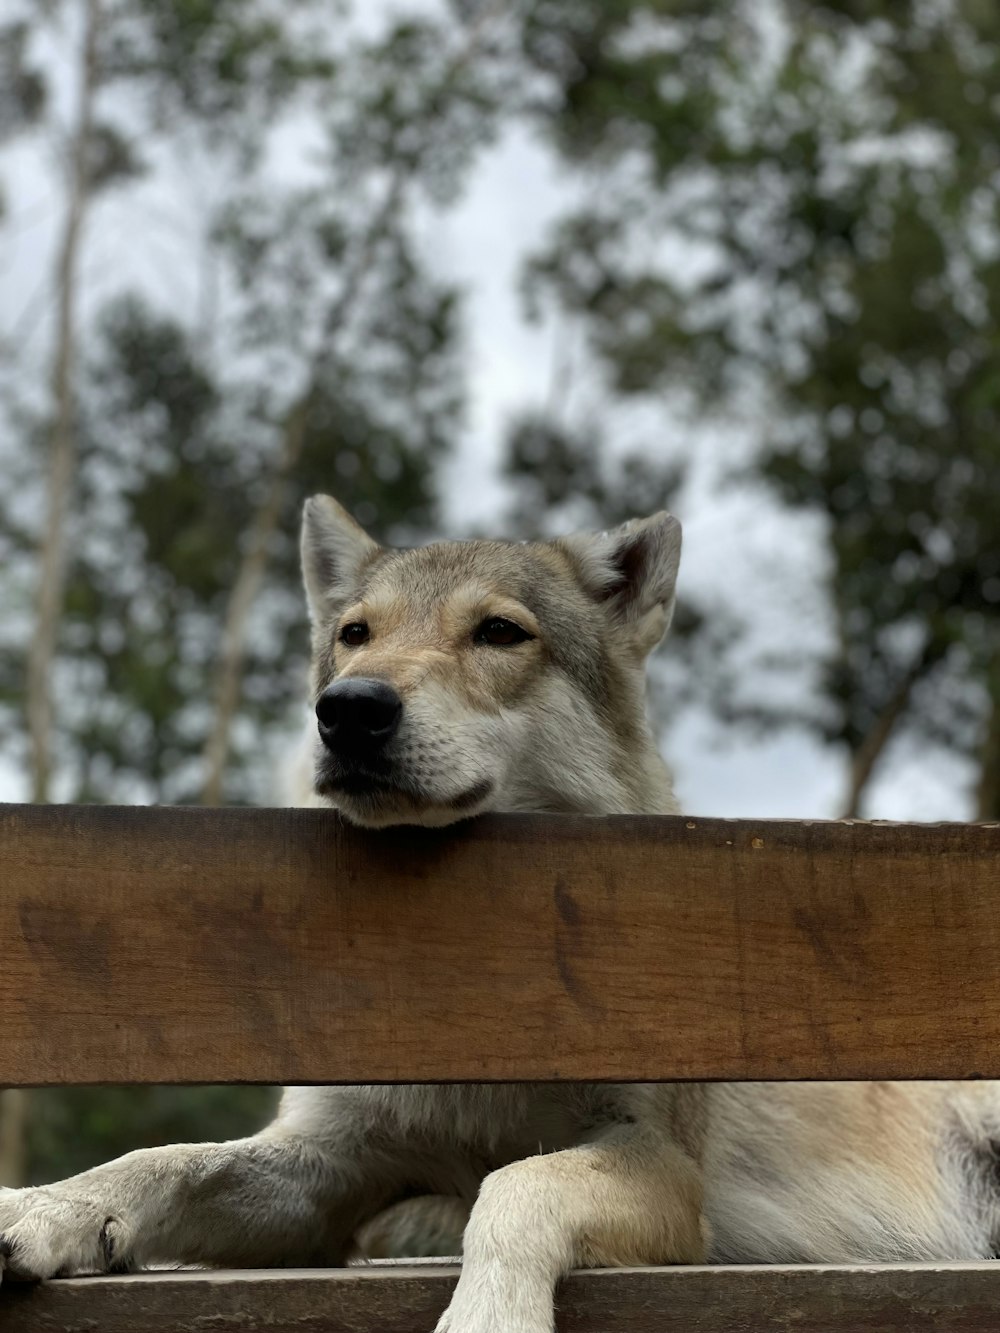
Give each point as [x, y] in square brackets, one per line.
[471, 676]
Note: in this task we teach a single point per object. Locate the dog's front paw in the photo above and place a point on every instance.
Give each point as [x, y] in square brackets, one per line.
[43, 1234]
[487, 1309]
[475, 1323]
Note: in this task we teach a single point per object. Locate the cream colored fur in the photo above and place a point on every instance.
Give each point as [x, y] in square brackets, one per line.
[555, 1175]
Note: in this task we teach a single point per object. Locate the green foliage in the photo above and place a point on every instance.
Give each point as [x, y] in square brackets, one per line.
[23, 90]
[72, 1129]
[173, 466]
[551, 466]
[823, 176]
[225, 64]
[425, 100]
[334, 366]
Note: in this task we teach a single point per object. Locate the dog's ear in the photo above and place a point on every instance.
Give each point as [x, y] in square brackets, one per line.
[334, 550]
[633, 570]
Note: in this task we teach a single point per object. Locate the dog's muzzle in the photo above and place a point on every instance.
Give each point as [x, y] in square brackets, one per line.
[358, 717]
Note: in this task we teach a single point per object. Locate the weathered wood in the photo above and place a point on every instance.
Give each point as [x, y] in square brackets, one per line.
[960, 1298]
[144, 945]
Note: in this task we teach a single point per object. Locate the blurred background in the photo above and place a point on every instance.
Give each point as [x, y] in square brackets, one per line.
[504, 266]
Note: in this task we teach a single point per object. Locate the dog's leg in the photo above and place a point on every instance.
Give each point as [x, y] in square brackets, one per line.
[293, 1194]
[633, 1197]
[271, 1199]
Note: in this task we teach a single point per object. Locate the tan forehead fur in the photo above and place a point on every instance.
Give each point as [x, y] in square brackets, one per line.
[431, 573]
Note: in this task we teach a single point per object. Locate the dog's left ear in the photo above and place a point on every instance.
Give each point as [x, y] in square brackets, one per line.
[633, 570]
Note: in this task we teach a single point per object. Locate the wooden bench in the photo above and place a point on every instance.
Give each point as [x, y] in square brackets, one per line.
[142, 945]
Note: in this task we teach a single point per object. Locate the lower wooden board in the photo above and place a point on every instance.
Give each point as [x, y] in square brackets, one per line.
[280, 946]
[903, 1298]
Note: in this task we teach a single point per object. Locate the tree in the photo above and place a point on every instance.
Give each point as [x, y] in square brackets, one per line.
[796, 225]
[203, 64]
[327, 324]
[62, 439]
[22, 86]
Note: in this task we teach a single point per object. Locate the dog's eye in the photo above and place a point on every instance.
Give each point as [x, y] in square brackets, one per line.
[354, 634]
[501, 633]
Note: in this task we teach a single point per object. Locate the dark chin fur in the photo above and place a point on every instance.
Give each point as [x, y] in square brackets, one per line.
[379, 805]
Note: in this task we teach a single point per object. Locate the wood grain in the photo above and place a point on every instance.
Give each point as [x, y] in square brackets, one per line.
[154, 945]
[960, 1298]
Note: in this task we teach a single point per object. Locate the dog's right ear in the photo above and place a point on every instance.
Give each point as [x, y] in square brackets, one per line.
[334, 551]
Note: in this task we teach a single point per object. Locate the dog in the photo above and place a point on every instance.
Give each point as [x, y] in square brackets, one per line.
[449, 680]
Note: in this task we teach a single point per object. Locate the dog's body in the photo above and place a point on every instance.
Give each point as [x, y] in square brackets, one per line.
[470, 676]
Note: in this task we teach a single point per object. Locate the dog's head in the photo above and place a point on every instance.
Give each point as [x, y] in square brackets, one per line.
[470, 676]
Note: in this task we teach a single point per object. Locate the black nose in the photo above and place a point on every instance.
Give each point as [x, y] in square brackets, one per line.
[358, 714]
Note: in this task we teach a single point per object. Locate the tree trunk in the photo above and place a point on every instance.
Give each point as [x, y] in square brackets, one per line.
[13, 1137]
[988, 786]
[62, 437]
[241, 599]
[866, 756]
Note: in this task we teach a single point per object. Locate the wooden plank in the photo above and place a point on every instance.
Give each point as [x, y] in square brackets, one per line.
[155, 945]
[962, 1298]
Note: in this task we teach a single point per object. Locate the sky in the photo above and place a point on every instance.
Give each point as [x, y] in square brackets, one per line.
[739, 546]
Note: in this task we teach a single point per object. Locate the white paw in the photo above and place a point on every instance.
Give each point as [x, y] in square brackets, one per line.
[43, 1234]
[477, 1323]
[490, 1309]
